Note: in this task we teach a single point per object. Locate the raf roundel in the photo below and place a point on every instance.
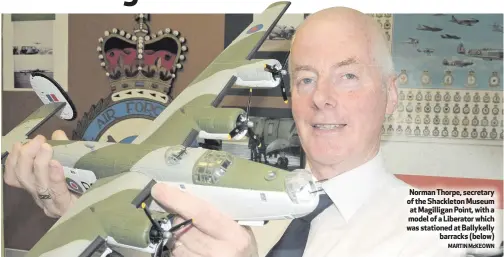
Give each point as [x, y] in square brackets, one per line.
[255, 29]
[72, 185]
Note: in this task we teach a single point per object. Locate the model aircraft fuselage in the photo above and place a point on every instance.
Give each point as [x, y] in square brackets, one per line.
[180, 164]
[207, 173]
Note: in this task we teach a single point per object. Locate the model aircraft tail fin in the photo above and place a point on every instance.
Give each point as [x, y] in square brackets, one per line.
[55, 102]
[49, 91]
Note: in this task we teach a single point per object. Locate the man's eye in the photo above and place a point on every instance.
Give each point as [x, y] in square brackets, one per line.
[350, 76]
[306, 81]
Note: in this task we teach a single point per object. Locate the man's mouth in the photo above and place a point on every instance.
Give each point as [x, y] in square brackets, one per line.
[328, 126]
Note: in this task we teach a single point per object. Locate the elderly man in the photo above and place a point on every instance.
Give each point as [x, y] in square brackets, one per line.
[343, 84]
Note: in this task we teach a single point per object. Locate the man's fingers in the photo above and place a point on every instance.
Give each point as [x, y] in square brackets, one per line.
[41, 168]
[25, 162]
[43, 185]
[10, 166]
[205, 217]
[180, 250]
[59, 135]
[195, 240]
[62, 197]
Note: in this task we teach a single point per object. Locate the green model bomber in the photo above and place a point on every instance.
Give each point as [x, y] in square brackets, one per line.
[114, 211]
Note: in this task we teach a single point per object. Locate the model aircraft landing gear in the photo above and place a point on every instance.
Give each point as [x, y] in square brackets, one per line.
[160, 235]
[110, 253]
[243, 124]
[278, 73]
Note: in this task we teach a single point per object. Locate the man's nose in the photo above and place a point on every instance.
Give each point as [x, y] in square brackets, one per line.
[324, 96]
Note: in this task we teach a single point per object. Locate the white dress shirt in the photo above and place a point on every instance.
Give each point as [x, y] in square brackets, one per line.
[368, 219]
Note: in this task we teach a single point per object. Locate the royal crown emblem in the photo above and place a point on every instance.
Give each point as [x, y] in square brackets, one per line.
[141, 66]
[142, 61]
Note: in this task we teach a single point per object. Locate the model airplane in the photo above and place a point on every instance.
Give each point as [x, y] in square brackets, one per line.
[428, 28]
[115, 211]
[448, 36]
[427, 51]
[457, 63]
[412, 41]
[465, 22]
[487, 54]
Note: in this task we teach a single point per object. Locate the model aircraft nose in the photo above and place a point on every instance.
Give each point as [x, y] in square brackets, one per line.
[300, 186]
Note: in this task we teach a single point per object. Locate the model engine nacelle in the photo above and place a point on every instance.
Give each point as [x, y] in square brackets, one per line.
[217, 123]
[255, 74]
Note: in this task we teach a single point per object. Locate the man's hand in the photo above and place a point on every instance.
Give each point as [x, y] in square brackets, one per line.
[212, 233]
[31, 167]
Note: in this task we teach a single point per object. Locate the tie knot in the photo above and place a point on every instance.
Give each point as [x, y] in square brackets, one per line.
[324, 202]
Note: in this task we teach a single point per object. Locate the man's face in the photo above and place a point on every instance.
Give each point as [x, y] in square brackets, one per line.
[339, 96]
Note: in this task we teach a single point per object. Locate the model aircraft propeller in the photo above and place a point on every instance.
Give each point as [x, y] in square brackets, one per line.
[278, 73]
[161, 235]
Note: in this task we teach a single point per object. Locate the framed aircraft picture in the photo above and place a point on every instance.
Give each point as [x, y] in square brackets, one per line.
[449, 69]
[34, 42]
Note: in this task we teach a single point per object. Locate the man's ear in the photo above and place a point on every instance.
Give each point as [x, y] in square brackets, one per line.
[391, 94]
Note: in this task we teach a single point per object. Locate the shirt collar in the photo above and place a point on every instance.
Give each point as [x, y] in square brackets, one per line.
[350, 190]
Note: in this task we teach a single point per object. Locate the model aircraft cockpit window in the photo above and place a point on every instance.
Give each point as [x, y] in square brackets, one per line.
[225, 164]
[211, 166]
[174, 154]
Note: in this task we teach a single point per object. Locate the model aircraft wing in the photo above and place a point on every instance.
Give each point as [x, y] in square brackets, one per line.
[55, 102]
[107, 215]
[28, 125]
[175, 125]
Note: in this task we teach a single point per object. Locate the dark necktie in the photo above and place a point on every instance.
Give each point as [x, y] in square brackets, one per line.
[293, 241]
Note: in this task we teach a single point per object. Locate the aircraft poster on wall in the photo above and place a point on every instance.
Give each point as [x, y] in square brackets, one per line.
[449, 69]
[458, 43]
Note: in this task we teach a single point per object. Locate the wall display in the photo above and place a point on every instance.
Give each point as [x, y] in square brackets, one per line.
[141, 66]
[34, 42]
[385, 20]
[449, 78]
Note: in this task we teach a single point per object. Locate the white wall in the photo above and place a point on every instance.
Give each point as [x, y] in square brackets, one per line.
[444, 159]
